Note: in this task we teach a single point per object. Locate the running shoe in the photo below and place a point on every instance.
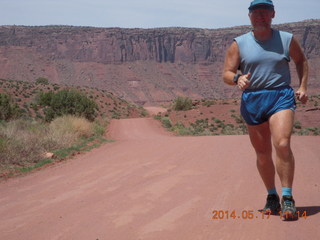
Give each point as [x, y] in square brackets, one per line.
[288, 208]
[272, 205]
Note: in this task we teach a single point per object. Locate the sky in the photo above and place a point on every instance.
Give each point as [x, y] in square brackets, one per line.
[209, 14]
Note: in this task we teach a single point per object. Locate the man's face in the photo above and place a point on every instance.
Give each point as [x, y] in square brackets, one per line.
[261, 18]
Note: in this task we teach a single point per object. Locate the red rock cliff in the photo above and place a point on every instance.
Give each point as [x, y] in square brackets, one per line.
[142, 65]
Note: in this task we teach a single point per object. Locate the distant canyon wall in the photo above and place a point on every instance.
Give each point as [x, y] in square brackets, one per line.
[146, 66]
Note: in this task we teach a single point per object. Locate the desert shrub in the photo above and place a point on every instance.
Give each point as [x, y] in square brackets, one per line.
[67, 102]
[42, 80]
[302, 132]
[99, 127]
[209, 103]
[166, 122]
[314, 130]
[24, 142]
[228, 129]
[216, 120]
[182, 104]
[297, 125]
[238, 118]
[143, 112]
[180, 129]
[66, 130]
[200, 127]
[8, 109]
[115, 114]
[158, 116]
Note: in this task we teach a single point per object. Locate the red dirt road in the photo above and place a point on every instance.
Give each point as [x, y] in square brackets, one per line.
[151, 185]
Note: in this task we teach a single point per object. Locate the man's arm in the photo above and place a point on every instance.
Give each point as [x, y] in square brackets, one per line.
[231, 64]
[301, 63]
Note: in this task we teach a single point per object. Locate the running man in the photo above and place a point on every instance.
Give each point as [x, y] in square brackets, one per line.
[268, 101]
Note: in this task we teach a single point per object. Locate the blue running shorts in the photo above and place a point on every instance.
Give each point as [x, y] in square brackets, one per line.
[257, 106]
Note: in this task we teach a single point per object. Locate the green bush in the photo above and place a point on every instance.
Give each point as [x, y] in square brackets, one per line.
[182, 104]
[67, 102]
[200, 127]
[180, 129]
[98, 129]
[238, 118]
[8, 109]
[315, 131]
[302, 132]
[166, 122]
[209, 103]
[157, 116]
[42, 80]
[297, 125]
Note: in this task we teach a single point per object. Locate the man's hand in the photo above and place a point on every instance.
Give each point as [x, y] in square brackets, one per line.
[301, 95]
[244, 81]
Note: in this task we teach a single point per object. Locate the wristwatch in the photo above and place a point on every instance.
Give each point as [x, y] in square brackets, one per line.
[236, 78]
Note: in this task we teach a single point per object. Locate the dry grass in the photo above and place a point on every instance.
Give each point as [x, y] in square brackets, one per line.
[66, 130]
[24, 142]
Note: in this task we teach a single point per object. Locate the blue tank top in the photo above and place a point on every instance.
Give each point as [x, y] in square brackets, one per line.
[267, 61]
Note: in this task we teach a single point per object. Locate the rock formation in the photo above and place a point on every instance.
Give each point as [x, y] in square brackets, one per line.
[147, 66]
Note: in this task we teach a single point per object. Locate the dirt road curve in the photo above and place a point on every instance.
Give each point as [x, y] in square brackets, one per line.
[151, 185]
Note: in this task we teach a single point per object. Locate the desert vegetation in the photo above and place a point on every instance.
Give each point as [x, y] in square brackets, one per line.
[202, 127]
[187, 117]
[222, 117]
[67, 101]
[42, 80]
[8, 109]
[23, 143]
[27, 144]
[26, 96]
[41, 118]
[182, 103]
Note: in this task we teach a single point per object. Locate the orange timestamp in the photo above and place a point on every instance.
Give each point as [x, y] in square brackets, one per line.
[249, 214]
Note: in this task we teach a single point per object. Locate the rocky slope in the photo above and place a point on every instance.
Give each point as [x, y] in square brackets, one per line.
[109, 105]
[147, 66]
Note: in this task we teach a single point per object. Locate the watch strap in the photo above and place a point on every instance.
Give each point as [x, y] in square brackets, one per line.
[236, 78]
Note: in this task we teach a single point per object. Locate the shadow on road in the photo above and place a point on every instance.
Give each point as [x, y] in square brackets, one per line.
[310, 210]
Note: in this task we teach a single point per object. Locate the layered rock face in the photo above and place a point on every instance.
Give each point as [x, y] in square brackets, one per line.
[147, 66]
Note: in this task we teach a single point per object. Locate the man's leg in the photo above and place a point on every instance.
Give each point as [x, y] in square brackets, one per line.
[261, 141]
[281, 124]
[260, 137]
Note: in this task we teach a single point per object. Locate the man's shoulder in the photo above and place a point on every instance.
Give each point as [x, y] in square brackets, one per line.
[243, 36]
[283, 33]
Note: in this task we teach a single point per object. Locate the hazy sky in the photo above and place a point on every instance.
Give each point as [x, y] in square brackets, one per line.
[147, 13]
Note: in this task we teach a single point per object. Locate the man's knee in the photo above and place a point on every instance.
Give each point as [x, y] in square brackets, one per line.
[282, 146]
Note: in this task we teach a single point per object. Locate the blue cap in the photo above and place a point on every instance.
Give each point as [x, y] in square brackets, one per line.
[261, 4]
